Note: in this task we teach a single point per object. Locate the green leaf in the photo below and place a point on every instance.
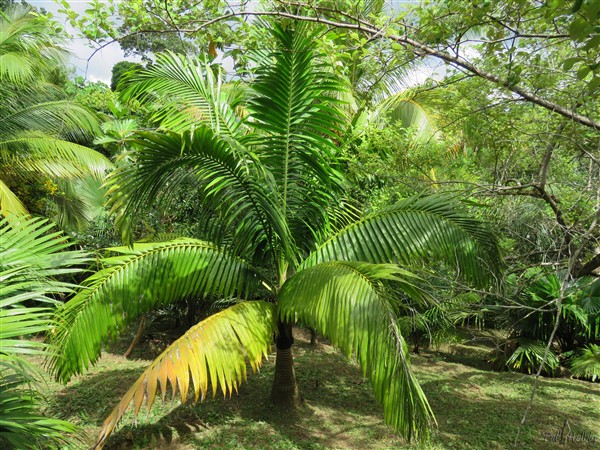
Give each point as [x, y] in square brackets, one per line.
[195, 93]
[30, 256]
[592, 43]
[235, 187]
[430, 228]
[299, 123]
[583, 72]
[593, 84]
[579, 29]
[570, 62]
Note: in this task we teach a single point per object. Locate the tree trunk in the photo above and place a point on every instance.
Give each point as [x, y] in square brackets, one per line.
[138, 336]
[285, 389]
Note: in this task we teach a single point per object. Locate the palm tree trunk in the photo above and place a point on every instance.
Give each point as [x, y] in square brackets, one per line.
[285, 389]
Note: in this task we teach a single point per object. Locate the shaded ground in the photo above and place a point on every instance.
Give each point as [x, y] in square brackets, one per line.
[475, 408]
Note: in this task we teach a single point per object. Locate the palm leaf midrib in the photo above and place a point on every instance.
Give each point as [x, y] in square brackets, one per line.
[246, 185]
[288, 136]
[129, 260]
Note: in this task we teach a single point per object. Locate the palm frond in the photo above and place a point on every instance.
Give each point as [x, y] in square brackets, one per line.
[58, 118]
[234, 185]
[586, 363]
[212, 352]
[296, 111]
[23, 426]
[529, 355]
[408, 109]
[80, 202]
[30, 242]
[138, 280]
[29, 46]
[588, 298]
[40, 153]
[429, 228]
[30, 255]
[196, 93]
[345, 302]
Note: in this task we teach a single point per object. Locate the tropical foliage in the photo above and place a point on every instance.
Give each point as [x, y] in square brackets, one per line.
[277, 228]
[40, 133]
[530, 320]
[586, 363]
[336, 178]
[32, 256]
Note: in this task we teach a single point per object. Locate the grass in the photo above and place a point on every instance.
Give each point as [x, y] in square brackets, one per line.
[475, 408]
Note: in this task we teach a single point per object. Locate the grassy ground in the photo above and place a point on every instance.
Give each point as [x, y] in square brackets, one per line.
[475, 408]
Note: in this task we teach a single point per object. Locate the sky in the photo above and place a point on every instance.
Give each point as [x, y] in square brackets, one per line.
[100, 65]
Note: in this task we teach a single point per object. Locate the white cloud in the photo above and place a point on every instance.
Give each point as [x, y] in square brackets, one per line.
[99, 66]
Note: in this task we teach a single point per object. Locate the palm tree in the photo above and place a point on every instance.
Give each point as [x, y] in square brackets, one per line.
[39, 134]
[278, 241]
[31, 257]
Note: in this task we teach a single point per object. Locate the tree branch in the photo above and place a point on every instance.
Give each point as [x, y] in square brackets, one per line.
[421, 50]
[589, 267]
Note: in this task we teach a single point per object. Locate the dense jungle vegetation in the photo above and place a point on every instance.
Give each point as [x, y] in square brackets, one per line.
[371, 224]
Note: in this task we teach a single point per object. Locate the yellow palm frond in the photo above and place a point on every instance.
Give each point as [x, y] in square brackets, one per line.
[214, 352]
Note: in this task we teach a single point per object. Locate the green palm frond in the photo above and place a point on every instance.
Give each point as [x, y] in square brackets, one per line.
[196, 93]
[528, 357]
[136, 281]
[214, 351]
[345, 302]
[586, 363]
[429, 228]
[58, 118]
[234, 185]
[29, 46]
[41, 153]
[80, 202]
[408, 109]
[30, 256]
[537, 294]
[588, 297]
[23, 426]
[296, 112]
[17, 321]
[29, 242]
[38, 133]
